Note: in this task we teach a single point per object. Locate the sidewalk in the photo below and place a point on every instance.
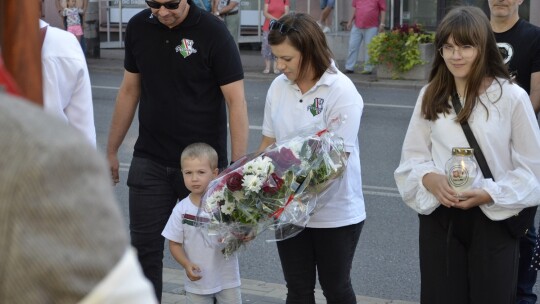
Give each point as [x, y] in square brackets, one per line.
[253, 291]
[113, 60]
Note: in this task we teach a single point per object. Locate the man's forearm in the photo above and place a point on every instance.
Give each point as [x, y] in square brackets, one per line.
[239, 128]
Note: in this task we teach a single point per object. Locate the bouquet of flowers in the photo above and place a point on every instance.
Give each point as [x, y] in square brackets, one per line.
[275, 189]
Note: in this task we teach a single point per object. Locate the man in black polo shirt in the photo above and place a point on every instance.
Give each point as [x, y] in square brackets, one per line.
[182, 68]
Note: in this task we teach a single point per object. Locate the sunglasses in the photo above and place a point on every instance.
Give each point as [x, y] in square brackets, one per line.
[283, 28]
[168, 5]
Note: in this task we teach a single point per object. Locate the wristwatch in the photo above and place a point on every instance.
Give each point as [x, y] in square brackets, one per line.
[216, 13]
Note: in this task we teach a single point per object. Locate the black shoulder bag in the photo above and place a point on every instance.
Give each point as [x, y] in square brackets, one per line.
[519, 224]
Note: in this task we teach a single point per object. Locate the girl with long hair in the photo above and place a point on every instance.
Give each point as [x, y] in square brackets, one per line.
[467, 253]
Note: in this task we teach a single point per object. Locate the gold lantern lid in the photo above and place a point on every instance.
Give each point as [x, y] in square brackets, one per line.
[462, 151]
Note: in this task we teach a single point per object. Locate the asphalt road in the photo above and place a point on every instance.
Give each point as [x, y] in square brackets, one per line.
[386, 260]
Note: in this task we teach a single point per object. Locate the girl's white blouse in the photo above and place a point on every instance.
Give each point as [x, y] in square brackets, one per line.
[510, 140]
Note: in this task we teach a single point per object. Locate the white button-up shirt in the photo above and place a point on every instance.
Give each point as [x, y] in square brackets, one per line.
[510, 140]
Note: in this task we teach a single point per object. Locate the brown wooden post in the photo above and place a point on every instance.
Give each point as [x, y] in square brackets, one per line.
[20, 42]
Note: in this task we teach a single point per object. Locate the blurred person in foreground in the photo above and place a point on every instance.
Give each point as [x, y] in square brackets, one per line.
[183, 71]
[312, 91]
[62, 237]
[519, 43]
[467, 251]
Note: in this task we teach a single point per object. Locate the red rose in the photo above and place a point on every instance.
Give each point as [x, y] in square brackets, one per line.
[273, 184]
[284, 158]
[234, 181]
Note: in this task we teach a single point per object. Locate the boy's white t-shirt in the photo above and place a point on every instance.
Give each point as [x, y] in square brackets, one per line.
[217, 272]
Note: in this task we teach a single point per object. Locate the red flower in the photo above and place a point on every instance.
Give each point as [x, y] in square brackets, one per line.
[273, 184]
[234, 181]
[284, 159]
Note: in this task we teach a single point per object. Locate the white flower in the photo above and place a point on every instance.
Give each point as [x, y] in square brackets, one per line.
[259, 166]
[252, 183]
[227, 208]
[264, 166]
[249, 168]
[213, 200]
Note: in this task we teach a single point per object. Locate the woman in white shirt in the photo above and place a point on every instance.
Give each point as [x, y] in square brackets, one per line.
[467, 254]
[312, 92]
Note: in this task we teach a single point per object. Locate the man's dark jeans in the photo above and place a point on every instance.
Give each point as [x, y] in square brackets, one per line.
[326, 251]
[154, 190]
[526, 276]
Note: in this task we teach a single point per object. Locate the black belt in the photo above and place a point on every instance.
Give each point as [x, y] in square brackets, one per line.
[229, 13]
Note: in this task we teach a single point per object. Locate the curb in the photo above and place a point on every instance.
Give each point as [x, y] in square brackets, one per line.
[253, 291]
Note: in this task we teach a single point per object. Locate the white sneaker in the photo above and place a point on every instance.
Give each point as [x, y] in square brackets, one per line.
[326, 29]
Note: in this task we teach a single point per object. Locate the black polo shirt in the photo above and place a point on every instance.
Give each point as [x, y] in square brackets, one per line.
[181, 72]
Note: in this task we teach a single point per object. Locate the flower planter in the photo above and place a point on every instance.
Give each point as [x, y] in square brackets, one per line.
[419, 72]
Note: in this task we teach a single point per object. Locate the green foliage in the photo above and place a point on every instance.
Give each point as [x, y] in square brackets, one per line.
[398, 49]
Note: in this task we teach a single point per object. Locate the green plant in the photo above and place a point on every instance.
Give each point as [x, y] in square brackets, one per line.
[398, 49]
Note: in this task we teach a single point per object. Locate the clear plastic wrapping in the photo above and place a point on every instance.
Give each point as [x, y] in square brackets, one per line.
[277, 189]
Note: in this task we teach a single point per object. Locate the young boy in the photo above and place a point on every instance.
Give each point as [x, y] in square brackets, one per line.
[209, 275]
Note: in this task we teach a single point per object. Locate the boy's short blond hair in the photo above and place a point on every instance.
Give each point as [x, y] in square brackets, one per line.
[200, 150]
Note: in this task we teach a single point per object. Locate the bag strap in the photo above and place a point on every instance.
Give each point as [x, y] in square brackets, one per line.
[472, 140]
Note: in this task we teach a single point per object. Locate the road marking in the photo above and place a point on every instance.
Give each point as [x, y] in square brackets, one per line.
[366, 104]
[380, 191]
[366, 189]
[105, 87]
[388, 106]
[124, 167]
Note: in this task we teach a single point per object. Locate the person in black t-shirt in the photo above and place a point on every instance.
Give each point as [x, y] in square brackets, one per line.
[519, 44]
[182, 70]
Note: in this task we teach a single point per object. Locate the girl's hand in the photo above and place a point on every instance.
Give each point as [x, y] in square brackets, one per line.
[193, 272]
[438, 185]
[472, 198]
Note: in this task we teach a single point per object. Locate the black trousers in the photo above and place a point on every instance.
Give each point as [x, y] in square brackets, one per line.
[153, 192]
[326, 252]
[466, 258]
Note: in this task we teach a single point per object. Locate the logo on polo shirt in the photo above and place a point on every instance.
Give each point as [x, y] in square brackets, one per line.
[316, 107]
[185, 48]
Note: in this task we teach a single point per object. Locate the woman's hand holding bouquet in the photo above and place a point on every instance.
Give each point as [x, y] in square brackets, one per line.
[273, 189]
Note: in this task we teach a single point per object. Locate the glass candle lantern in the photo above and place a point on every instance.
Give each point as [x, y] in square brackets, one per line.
[461, 169]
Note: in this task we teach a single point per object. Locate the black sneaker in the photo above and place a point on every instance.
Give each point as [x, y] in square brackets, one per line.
[349, 72]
